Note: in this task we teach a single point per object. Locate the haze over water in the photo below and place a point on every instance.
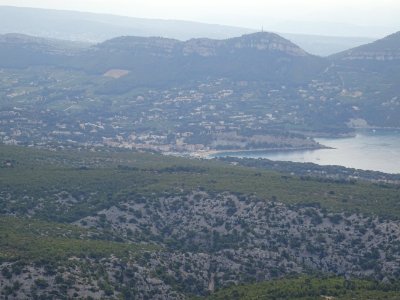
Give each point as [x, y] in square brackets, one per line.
[377, 150]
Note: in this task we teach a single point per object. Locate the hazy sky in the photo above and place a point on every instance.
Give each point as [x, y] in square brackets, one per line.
[248, 13]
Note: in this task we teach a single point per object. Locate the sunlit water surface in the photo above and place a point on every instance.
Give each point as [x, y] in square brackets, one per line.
[377, 150]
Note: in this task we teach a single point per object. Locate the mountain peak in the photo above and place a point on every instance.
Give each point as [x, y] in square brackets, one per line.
[262, 35]
[268, 41]
[261, 41]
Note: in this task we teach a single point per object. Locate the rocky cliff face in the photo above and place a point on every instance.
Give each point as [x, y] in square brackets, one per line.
[202, 47]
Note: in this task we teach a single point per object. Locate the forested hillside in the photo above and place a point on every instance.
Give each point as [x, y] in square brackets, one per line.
[116, 224]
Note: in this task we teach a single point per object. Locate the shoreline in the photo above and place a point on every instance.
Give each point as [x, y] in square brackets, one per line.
[207, 154]
[352, 133]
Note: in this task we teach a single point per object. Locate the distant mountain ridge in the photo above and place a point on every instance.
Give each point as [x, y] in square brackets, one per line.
[95, 28]
[21, 51]
[154, 60]
[207, 47]
[258, 56]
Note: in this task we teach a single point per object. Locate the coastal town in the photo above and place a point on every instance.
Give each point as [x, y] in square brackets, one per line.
[195, 119]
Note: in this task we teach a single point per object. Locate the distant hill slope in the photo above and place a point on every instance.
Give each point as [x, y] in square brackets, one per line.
[90, 27]
[264, 73]
[371, 74]
[153, 61]
[259, 56]
[381, 56]
[21, 51]
[384, 49]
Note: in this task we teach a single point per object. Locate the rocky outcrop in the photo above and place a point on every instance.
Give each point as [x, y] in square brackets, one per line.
[262, 41]
[203, 241]
[228, 238]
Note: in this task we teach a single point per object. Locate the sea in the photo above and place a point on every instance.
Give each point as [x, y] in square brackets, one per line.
[368, 149]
